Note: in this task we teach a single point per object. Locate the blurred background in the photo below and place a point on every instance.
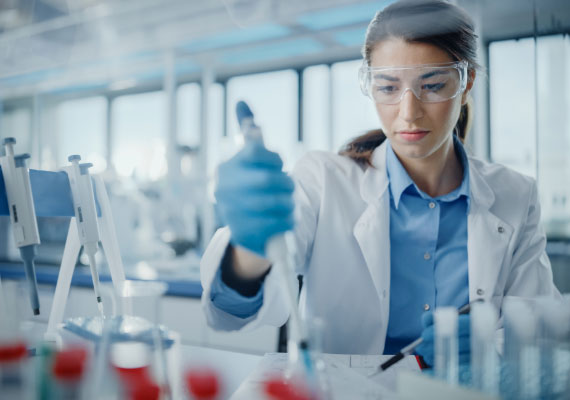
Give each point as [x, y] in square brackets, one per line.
[146, 90]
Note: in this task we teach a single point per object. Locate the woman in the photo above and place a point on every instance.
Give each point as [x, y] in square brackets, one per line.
[400, 222]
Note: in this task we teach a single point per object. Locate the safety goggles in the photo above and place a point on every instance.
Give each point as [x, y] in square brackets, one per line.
[430, 83]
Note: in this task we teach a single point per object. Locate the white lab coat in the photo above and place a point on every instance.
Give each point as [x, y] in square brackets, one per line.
[343, 249]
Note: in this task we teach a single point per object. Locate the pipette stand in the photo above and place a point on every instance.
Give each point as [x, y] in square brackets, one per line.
[71, 252]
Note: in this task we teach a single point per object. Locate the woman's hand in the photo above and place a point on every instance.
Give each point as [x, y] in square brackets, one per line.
[254, 198]
[426, 348]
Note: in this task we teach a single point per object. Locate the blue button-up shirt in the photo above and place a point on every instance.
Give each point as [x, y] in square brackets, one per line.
[428, 242]
[428, 250]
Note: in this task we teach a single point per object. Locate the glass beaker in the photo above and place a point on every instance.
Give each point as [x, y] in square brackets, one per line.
[133, 335]
[306, 368]
[17, 337]
[140, 300]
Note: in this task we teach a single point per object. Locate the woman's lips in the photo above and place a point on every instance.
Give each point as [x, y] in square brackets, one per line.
[413, 136]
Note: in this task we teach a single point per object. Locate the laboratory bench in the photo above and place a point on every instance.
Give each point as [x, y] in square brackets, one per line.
[180, 308]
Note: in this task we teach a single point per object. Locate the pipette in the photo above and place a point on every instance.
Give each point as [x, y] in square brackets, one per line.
[409, 349]
[277, 249]
[85, 216]
[22, 213]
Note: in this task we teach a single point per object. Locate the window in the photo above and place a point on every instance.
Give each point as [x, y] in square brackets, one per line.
[273, 98]
[81, 127]
[352, 113]
[215, 126]
[17, 123]
[552, 105]
[530, 130]
[139, 135]
[316, 106]
[188, 114]
[512, 98]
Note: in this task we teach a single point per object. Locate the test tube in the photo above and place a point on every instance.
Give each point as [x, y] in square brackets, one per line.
[68, 371]
[521, 349]
[446, 346]
[484, 357]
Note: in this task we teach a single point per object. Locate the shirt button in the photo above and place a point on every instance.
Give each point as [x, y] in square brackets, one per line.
[480, 292]
[427, 256]
[426, 307]
[431, 204]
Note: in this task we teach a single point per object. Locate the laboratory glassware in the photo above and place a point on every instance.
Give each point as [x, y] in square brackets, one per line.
[446, 346]
[485, 371]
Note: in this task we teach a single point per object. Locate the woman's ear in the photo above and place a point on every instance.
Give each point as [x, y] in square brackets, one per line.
[469, 86]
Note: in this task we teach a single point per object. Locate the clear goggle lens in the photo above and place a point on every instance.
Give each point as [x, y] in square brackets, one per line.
[430, 83]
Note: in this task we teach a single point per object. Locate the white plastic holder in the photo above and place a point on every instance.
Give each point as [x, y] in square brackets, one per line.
[71, 252]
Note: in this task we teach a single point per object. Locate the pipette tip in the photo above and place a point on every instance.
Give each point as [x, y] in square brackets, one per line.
[100, 308]
[36, 311]
[98, 299]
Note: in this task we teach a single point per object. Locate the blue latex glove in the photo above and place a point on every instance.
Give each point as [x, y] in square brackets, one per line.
[255, 197]
[426, 348]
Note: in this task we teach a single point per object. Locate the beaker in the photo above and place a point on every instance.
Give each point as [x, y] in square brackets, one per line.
[134, 332]
[17, 337]
[306, 368]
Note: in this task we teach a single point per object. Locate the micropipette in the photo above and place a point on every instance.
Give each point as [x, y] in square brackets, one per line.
[85, 216]
[277, 249]
[409, 349]
[22, 213]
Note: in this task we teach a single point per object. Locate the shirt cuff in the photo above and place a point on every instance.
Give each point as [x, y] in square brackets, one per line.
[230, 301]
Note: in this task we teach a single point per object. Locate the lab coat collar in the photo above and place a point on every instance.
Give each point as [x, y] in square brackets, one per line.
[375, 179]
[400, 180]
[372, 230]
[481, 193]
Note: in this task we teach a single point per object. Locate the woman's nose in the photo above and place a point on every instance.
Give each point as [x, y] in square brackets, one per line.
[410, 106]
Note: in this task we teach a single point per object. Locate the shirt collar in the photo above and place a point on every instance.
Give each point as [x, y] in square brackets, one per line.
[400, 181]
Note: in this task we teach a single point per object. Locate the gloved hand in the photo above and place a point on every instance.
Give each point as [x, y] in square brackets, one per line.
[254, 197]
[426, 348]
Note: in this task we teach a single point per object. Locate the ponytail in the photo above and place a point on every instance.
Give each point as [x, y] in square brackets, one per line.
[361, 148]
[465, 121]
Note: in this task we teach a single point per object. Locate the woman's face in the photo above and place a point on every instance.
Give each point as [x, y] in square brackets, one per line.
[416, 130]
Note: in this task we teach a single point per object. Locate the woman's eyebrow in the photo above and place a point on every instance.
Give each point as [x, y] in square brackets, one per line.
[432, 73]
[386, 77]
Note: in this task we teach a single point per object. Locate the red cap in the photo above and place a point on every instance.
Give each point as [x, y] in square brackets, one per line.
[279, 389]
[69, 364]
[132, 376]
[203, 383]
[144, 389]
[13, 351]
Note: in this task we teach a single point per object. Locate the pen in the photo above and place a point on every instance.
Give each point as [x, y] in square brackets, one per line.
[410, 348]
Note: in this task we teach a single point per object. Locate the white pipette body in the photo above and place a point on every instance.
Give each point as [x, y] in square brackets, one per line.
[22, 213]
[19, 193]
[85, 215]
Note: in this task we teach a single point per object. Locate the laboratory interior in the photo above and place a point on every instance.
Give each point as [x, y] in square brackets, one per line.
[115, 116]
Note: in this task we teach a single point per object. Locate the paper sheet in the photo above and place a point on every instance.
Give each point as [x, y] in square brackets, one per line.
[347, 376]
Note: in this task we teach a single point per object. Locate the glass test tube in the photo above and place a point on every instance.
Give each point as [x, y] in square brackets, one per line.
[446, 346]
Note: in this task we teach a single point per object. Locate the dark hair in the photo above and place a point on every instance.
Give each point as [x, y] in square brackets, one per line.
[436, 22]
